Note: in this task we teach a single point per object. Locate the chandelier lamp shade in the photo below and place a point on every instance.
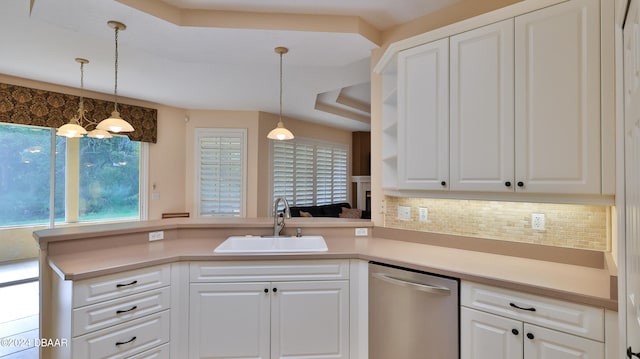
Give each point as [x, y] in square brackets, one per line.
[280, 132]
[115, 123]
[75, 127]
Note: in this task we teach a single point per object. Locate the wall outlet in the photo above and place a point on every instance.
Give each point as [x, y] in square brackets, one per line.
[156, 236]
[537, 221]
[383, 206]
[361, 232]
[404, 213]
[423, 214]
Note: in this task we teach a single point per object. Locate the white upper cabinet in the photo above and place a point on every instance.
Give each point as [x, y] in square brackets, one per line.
[423, 116]
[557, 86]
[516, 105]
[482, 114]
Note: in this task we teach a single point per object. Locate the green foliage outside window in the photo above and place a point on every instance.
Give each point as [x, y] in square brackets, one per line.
[109, 177]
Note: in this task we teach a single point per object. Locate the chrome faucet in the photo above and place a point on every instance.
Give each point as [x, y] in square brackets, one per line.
[278, 223]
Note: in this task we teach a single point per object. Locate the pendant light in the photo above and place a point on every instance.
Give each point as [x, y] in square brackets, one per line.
[75, 127]
[115, 123]
[280, 132]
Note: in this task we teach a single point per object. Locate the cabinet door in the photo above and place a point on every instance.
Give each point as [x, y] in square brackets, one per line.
[310, 320]
[482, 148]
[229, 320]
[423, 116]
[557, 71]
[542, 343]
[488, 336]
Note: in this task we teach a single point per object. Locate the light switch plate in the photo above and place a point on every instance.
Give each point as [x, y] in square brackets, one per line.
[156, 236]
[404, 213]
[361, 232]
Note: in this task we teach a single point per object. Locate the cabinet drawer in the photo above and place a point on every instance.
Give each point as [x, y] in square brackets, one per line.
[124, 340]
[161, 352]
[564, 316]
[101, 315]
[269, 271]
[113, 286]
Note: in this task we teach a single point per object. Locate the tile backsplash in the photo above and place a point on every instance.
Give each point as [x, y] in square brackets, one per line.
[572, 226]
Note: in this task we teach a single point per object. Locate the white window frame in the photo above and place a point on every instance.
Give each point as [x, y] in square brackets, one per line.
[312, 142]
[73, 196]
[219, 132]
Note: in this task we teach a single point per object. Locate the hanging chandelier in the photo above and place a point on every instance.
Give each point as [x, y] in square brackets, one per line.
[76, 126]
[115, 123]
[280, 132]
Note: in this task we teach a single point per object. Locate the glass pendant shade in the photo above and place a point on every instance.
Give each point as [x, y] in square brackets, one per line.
[74, 128]
[280, 133]
[115, 124]
[99, 134]
[71, 130]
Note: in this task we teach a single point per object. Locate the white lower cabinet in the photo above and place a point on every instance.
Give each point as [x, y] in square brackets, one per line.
[124, 340]
[279, 318]
[485, 336]
[488, 336]
[229, 320]
[552, 344]
[121, 315]
[496, 323]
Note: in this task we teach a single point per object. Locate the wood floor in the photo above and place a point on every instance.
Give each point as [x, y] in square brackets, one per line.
[19, 311]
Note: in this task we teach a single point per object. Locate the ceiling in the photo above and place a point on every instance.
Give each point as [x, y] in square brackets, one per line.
[211, 54]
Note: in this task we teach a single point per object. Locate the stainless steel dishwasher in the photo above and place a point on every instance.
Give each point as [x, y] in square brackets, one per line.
[412, 315]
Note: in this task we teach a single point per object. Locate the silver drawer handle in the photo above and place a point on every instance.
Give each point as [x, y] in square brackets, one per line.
[127, 342]
[435, 289]
[127, 310]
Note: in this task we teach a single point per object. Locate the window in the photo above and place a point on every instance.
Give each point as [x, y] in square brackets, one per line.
[309, 172]
[109, 179]
[220, 165]
[25, 175]
[94, 179]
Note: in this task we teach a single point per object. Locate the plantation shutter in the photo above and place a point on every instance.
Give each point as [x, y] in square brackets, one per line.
[308, 172]
[221, 172]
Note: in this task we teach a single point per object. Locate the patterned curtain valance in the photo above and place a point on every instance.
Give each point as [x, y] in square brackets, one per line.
[27, 106]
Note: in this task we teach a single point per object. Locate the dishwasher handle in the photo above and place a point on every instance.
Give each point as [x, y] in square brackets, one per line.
[429, 288]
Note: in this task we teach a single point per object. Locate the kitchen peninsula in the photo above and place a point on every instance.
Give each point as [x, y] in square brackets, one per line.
[88, 271]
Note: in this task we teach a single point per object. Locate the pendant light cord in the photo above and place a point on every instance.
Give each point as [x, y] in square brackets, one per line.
[281, 86]
[81, 87]
[115, 87]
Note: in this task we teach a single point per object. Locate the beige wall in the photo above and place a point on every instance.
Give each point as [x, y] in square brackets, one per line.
[167, 166]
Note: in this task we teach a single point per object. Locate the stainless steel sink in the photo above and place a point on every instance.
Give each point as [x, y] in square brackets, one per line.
[272, 244]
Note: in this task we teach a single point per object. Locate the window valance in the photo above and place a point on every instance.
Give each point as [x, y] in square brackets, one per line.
[27, 106]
